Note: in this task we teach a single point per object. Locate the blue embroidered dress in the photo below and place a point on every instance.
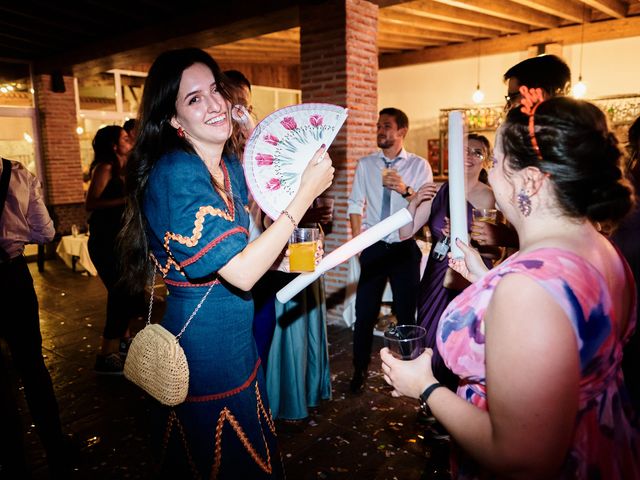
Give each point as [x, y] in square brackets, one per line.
[224, 428]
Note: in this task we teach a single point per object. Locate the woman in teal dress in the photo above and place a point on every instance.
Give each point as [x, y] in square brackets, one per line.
[298, 376]
[187, 217]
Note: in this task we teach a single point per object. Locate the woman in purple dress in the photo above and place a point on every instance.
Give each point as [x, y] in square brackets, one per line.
[433, 211]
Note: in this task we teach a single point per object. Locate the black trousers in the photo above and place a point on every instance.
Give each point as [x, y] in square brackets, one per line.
[121, 305]
[20, 328]
[400, 264]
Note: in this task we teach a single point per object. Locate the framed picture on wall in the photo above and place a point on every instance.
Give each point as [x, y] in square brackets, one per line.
[433, 155]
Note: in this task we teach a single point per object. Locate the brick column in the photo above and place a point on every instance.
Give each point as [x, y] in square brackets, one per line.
[339, 65]
[60, 153]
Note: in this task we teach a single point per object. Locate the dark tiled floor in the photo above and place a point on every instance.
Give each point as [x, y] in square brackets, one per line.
[372, 436]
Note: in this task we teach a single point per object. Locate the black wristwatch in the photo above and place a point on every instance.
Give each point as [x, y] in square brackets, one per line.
[408, 192]
[424, 396]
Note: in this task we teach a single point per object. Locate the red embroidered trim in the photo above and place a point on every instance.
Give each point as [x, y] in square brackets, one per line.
[228, 393]
[212, 244]
[189, 284]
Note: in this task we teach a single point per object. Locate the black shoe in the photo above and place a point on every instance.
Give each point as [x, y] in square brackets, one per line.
[110, 364]
[125, 343]
[357, 382]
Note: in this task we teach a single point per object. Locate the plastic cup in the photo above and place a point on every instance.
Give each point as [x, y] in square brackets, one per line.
[302, 249]
[385, 173]
[488, 215]
[405, 342]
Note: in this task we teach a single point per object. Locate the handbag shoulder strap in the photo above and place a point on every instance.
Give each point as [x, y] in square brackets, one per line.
[193, 314]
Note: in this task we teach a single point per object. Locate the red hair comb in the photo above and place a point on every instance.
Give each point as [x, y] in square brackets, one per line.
[531, 99]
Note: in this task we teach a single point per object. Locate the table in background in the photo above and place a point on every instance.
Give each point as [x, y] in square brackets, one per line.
[75, 253]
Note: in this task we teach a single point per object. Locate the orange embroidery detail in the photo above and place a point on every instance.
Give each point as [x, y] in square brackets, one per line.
[198, 226]
[171, 421]
[164, 270]
[192, 241]
[227, 416]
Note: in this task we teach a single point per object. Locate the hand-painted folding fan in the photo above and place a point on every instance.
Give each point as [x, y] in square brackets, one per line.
[280, 148]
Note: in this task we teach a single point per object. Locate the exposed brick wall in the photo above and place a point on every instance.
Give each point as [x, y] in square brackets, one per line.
[69, 214]
[339, 64]
[60, 152]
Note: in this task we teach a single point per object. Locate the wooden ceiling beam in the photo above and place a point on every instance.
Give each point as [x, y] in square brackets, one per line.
[292, 34]
[593, 32]
[388, 3]
[266, 43]
[507, 11]
[613, 8]
[405, 44]
[559, 8]
[280, 60]
[403, 31]
[398, 17]
[439, 11]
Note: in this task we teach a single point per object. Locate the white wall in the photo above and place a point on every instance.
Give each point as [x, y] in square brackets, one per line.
[608, 68]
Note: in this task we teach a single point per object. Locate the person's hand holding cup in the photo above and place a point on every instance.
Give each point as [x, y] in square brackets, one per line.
[405, 342]
[303, 246]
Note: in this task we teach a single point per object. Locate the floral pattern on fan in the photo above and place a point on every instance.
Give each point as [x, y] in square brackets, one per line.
[280, 148]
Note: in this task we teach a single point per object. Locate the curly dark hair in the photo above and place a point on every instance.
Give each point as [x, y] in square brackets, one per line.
[579, 152]
[155, 138]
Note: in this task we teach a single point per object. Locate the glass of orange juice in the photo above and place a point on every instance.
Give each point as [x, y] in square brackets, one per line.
[302, 249]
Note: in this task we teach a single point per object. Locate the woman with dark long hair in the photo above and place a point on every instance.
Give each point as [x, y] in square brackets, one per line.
[105, 200]
[187, 218]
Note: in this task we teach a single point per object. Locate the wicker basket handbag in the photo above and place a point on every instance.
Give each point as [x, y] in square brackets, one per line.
[156, 362]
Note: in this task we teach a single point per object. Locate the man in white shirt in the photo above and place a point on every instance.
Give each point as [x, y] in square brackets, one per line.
[24, 219]
[384, 182]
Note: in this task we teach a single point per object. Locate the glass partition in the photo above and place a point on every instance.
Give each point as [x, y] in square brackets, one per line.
[17, 140]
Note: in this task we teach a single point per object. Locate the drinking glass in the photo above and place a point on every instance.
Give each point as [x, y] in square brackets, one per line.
[488, 215]
[302, 249]
[405, 342]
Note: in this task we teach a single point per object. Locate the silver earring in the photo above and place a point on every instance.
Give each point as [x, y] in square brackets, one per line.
[524, 203]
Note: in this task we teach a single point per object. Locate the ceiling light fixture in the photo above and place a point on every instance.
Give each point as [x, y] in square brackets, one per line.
[579, 90]
[478, 95]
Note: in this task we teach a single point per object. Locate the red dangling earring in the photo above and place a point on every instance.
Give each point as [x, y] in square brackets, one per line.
[180, 132]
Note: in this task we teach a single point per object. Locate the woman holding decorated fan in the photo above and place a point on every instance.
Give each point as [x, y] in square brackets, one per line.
[537, 341]
[187, 218]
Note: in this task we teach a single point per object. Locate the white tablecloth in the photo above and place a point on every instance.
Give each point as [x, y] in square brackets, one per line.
[70, 247]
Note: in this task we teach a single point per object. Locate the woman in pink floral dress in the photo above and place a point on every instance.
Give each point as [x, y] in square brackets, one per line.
[537, 342]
